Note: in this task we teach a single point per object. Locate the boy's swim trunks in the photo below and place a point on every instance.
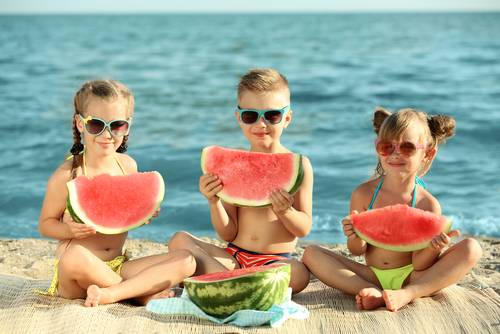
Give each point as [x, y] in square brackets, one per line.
[247, 258]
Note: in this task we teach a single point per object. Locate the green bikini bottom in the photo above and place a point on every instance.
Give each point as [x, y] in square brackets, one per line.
[392, 279]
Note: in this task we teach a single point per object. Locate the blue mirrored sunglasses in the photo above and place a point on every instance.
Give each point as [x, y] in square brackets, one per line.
[271, 116]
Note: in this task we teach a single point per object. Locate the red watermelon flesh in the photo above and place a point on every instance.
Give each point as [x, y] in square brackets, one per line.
[115, 204]
[248, 178]
[229, 274]
[399, 227]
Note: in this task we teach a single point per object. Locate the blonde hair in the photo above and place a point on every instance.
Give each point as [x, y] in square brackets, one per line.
[262, 80]
[108, 90]
[390, 126]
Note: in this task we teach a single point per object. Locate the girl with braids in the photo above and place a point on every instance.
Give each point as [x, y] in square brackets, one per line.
[89, 264]
[406, 145]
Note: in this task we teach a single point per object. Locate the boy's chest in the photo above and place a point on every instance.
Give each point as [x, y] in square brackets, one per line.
[259, 223]
[259, 230]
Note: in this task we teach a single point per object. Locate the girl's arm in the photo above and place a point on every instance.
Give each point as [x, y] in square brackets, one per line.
[295, 212]
[53, 207]
[426, 257]
[222, 215]
[355, 244]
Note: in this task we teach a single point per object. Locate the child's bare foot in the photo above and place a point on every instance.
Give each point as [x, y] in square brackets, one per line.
[396, 299]
[96, 296]
[167, 293]
[369, 299]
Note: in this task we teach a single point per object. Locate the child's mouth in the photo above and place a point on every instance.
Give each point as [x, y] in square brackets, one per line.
[396, 164]
[106, 144]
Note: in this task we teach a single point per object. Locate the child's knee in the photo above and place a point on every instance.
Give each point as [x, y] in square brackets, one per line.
[299, 276]
[188, 262]
[180, 240]
[472, 250]
[300, 280]
[74, 260]
[310, 254]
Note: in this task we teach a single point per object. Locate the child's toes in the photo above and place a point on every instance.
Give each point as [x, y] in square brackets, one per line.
[359, 302]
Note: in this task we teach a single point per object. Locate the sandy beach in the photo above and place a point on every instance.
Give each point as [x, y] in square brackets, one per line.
[33, 258]
[26, 266]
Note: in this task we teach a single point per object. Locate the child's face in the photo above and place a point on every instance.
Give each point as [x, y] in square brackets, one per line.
[262, 134]
[108, 111]
[401, 163]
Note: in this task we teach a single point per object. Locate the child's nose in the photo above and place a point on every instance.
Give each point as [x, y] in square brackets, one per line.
[261, 121]
[107, 133]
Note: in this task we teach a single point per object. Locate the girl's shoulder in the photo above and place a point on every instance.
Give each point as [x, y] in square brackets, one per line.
[128, 163]
[426, 201]
[362, 194]
[367, 188]
[61, 175]
[306, 164]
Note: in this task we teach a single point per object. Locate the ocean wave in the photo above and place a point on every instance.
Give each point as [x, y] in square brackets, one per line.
[477, 225]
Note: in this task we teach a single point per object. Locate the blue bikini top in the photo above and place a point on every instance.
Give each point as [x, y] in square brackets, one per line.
[418, 181]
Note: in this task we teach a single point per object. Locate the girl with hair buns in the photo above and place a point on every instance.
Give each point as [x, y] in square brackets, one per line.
[406, 145]
[89, 264]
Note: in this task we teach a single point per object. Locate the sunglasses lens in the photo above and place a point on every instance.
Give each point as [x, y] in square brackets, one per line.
[384, 148]
[273, 116]
[95, 126]
[407, 148]
[249, 117]
[119, 128]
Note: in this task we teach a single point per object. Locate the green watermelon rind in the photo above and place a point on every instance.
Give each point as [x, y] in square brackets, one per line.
[402, 248]
[79, 216]
[292, 187]
[241, 292]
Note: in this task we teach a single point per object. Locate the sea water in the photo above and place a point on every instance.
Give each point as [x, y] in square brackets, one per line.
[183, 70]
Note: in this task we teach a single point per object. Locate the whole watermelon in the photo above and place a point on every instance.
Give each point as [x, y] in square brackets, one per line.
[223, 293]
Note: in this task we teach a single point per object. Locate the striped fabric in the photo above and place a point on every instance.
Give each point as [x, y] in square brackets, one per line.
[248, 259]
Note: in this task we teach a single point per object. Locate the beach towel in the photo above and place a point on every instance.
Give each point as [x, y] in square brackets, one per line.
[274, 317]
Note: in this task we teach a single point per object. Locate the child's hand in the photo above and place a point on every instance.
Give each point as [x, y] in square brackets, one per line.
[281, 201]
[347, 227]
[210, 185]
[443, 240]
[77, 230]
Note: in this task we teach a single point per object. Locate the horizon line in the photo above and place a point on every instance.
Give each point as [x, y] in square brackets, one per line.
[256, 12]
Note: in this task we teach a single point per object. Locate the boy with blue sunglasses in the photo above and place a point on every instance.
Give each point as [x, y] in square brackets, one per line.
[257, 236]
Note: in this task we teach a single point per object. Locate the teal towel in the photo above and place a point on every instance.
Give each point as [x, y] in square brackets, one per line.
[274, 317]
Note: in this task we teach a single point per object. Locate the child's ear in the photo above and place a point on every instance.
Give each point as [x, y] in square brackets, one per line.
[288, 118]
[430, 154]
[237, 115]
[79, 123]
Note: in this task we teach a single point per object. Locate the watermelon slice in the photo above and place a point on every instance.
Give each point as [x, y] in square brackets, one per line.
[223, 293]
[399, 227]
[250, 177]
[115, 204]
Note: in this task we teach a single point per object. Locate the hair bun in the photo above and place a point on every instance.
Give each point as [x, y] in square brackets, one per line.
[442, 127]
[379, 116]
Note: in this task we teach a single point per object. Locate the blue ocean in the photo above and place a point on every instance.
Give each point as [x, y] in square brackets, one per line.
[183, 70]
